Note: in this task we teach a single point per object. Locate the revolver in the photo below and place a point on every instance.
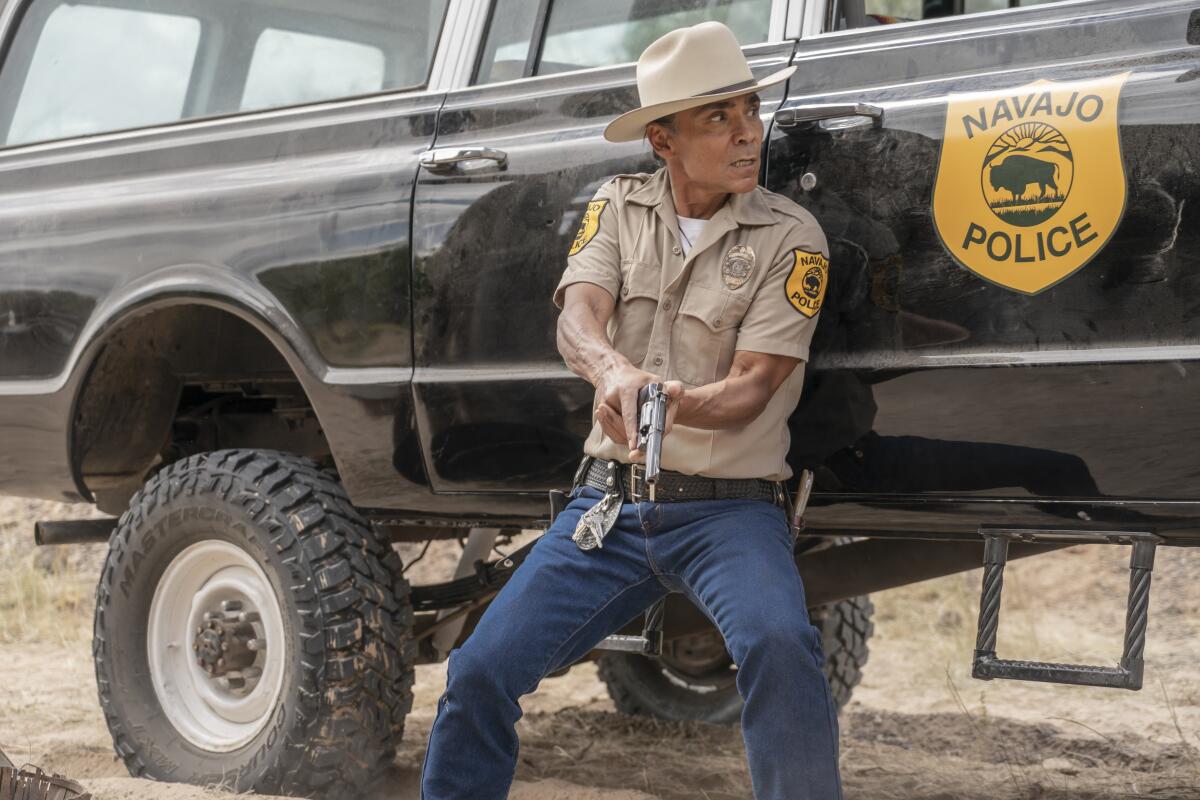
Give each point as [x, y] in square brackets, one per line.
[651, 421]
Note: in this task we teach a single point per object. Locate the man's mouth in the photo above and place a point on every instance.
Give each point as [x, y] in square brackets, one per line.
[745, 162]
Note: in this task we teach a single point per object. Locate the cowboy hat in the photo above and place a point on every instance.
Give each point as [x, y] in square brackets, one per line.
[686, 68]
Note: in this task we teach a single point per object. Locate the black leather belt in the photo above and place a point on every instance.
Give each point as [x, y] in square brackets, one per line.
[676, 487]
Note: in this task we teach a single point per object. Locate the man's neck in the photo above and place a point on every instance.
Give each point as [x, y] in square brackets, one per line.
[694, 201]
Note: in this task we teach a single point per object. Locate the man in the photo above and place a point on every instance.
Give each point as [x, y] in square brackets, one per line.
[697, 276]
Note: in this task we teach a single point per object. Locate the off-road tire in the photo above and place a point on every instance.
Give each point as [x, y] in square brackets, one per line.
[348, 675]
[650, 687]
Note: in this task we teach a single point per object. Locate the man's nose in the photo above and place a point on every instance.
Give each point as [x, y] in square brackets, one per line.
[743, 132]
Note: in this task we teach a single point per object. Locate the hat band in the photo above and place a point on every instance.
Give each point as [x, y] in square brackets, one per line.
[733, 87]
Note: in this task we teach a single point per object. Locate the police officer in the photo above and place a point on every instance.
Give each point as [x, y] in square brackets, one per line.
[698, 276]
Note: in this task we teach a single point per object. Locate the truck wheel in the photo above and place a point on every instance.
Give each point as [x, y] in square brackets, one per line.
[252, 631]
[695, 680]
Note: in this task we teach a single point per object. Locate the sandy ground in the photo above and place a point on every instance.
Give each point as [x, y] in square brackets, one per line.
[918, 727]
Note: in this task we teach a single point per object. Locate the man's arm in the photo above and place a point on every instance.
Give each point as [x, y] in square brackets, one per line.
[585, 347]
[740, 397]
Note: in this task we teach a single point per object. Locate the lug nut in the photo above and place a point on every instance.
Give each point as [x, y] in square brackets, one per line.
[254, 645]
[224, 646]
[195, 648]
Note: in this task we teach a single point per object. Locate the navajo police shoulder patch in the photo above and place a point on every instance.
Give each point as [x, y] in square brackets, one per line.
[589, 226]
[805, 286]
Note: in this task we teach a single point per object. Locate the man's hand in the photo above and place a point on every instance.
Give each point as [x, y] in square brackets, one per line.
[614, 415]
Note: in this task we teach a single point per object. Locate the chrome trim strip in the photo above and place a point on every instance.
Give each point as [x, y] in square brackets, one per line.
[459, 43]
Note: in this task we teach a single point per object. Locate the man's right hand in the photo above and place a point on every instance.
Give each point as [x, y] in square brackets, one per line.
[617, 412]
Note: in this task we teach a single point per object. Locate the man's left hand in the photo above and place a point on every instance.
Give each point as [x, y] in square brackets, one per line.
[614, 426]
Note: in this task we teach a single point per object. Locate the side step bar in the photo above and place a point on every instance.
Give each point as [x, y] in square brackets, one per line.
[1128, 673]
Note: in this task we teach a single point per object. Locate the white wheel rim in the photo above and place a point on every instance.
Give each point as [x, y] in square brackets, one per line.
[198, 580]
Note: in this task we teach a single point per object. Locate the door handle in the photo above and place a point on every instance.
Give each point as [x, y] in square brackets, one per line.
[443, 159]
[798, 116]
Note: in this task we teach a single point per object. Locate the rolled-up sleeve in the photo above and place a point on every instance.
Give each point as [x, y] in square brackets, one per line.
[783, 314]
[594, 256]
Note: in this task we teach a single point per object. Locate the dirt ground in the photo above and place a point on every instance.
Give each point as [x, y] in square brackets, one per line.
[918, 728]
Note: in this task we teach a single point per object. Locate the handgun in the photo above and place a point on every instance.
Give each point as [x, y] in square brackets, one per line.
[651, 421]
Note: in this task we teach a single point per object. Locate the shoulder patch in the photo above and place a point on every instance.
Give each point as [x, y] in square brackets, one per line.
[589, 226]
[806, 283]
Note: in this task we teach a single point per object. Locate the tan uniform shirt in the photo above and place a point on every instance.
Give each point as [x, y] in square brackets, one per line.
[754, 280]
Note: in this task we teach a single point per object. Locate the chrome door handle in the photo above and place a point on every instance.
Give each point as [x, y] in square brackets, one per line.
[806, 115]
[442, 159]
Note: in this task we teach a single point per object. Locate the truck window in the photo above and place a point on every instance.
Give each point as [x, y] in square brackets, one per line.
[79, 67]
[866, 13]
[96, 68]
[289, 68]
[583, 33]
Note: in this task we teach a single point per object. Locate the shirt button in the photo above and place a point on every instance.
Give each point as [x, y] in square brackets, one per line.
[658, 361]
[676, 250]
[667, 306]
[624, 290]
[717, 322]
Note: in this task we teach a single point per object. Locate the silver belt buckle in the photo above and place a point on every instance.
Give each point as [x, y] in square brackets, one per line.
[637, 481]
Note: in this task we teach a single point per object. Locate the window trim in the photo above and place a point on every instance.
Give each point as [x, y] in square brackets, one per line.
[13, 14]
[776, 34]
[812, 18]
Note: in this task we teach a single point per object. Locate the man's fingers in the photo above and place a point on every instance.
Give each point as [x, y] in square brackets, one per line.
[610, 423]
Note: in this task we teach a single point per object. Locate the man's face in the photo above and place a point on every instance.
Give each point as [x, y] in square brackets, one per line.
[718, 145]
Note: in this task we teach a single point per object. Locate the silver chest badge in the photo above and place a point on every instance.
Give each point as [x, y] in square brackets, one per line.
[739, 261]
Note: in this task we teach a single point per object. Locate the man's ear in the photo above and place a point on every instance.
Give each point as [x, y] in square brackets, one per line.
[659, 138]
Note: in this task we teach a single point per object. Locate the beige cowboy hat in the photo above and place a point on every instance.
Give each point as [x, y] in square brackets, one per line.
[688, 67]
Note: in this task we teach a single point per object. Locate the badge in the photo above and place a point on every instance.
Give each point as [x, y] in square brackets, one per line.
[589, 226]
[1030, 183]
[806, 283]
[738, 263]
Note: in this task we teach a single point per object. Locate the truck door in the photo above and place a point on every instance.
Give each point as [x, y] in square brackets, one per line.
[1011, 193]
[518, 155]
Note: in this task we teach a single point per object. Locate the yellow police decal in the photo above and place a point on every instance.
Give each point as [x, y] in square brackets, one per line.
[1030, 184]
[806, 284]
[589, 226]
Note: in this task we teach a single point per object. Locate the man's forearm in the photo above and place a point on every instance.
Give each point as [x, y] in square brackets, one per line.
[739, 398]
[584, 345]
[724, 404]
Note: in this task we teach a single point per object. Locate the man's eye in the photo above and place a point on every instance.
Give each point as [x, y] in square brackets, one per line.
[718, 117]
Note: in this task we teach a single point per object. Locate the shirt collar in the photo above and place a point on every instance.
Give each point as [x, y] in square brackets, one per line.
[749, 208]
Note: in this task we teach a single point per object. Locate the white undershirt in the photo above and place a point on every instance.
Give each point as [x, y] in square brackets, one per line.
[689, 232]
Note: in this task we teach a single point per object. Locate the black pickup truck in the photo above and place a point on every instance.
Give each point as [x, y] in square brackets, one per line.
[275, 284]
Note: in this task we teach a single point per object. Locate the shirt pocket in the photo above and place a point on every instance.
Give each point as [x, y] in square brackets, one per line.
[705, 334]
[633, 319]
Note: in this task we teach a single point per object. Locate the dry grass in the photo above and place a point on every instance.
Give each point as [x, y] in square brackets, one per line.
[46, 594]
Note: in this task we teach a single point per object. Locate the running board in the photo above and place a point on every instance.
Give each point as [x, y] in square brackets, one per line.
[650, 643]
[1128, 673]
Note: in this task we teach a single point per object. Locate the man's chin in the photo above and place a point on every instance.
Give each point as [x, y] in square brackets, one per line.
[743, 185]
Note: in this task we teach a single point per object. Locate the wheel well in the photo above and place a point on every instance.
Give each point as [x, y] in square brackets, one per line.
[182, 380]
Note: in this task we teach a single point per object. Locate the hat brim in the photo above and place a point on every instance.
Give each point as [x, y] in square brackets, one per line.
[631, 126]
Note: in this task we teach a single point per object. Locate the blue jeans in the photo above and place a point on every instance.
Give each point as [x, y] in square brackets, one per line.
[733, 558]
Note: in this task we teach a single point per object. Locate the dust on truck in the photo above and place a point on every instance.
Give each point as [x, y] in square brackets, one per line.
[275, 291]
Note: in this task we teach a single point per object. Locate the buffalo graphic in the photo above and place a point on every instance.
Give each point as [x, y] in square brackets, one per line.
[1017, 172]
